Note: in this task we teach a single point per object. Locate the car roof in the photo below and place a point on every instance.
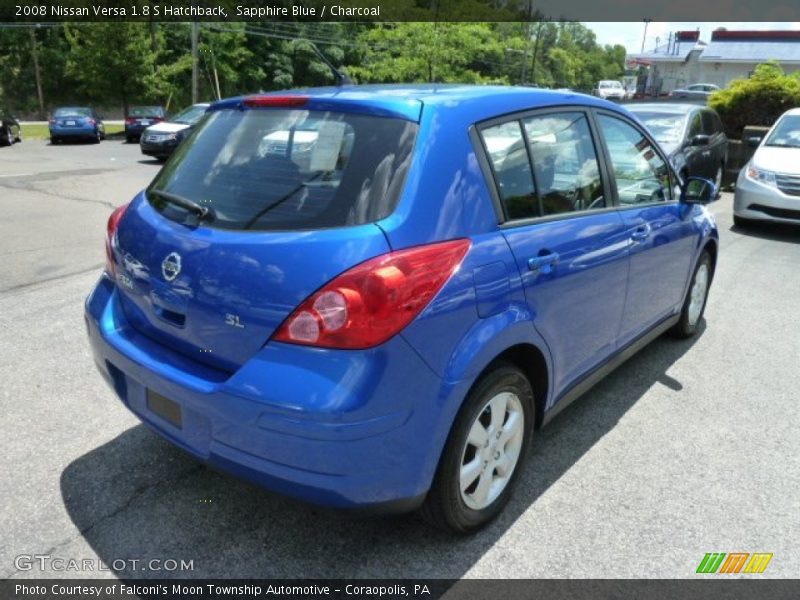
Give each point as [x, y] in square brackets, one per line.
[792, 112]
[480, 102]
[678, 108]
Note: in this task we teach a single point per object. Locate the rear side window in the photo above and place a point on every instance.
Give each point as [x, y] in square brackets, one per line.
[276, 169]
[512, 170]
[565, 175]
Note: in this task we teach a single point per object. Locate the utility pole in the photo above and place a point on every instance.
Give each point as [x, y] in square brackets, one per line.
[536, 49]
[644, 36]
[37, 73]
[527, 43]
[195, 34]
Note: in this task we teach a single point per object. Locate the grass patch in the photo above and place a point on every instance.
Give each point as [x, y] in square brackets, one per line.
[38, 131]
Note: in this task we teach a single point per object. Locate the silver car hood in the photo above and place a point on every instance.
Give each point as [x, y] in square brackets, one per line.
[779, 160]
[167, 127]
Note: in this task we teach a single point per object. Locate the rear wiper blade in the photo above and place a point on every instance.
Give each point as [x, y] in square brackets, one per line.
[190, 205]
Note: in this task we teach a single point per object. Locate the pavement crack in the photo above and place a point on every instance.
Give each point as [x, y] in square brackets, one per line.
[25, 286]
[29, 187]
[135, 495]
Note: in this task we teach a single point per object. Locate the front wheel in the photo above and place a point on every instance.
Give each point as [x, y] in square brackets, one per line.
[695, 303]
[484, 453]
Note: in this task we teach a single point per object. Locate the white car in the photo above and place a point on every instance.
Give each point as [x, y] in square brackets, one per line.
[768, 187]
[610, 90]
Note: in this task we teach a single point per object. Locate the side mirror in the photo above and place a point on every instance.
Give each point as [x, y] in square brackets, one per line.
[754, 141]
[700, 139]
[697, 190]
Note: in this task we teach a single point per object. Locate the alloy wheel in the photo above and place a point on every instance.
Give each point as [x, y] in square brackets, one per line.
[492, 450]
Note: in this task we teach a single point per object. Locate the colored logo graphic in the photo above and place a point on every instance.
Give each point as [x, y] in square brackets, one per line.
[734, 562]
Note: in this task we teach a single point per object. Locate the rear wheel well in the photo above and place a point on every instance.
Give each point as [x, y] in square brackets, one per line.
[530, 360]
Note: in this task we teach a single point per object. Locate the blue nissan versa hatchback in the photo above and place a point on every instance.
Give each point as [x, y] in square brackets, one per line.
[372, 296]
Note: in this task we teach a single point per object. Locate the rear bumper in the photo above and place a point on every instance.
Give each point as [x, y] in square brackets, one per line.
[356, 429]
[760, 202]
[64, 132]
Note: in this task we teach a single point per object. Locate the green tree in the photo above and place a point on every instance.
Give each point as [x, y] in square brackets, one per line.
[113, 62]
[759, 100]
[429, 52]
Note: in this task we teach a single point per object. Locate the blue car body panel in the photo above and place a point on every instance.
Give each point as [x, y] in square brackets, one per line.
[352, 428]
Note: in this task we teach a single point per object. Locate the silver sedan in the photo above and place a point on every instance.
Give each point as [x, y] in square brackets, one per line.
[768, 187]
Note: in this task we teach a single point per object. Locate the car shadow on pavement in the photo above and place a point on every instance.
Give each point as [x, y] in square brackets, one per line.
[774, 232]
[137, 496]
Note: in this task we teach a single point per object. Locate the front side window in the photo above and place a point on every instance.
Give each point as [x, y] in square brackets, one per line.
[695, 125]
[642, 176]
[564, 163]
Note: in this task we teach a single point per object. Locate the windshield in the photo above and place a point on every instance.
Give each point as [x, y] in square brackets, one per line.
[666, 128]
[276, 169]
[610, 84]
[786, 133]
[190, 115]
[145, 111]
[72, 111]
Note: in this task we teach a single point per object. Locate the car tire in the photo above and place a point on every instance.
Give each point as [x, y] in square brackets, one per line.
[96, 139]
[128, 139]
[8, 138]
[53, 140]
[694, 304]
[502, 396]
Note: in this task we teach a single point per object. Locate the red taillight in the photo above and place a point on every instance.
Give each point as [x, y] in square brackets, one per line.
[91, 121]
[370, 303]
[111, 229]
[275, 101]
[130, 120]
[52, 121]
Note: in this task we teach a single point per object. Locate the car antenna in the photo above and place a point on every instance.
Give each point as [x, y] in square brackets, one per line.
[339, 77]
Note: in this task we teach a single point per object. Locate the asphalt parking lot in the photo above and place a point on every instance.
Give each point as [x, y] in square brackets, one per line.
[690, 447]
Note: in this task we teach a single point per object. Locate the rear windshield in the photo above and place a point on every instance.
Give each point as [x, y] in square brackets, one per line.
[277, 169]
[73, 111]
[145, 111]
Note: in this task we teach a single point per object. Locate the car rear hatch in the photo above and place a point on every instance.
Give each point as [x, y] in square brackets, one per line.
[72, 120]
[293, 194]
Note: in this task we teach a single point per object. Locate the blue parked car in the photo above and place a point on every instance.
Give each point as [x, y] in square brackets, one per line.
[76, 122]
[373, 296]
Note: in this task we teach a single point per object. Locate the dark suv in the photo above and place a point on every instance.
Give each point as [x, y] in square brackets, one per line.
[10, 130]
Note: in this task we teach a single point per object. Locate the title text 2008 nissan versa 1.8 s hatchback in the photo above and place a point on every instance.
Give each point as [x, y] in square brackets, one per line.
[372, 296]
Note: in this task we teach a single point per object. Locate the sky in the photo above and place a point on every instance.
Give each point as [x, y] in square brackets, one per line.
[630, 34]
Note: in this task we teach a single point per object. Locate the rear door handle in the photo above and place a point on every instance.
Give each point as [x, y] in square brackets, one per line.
[641, 233]
[543, 262]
